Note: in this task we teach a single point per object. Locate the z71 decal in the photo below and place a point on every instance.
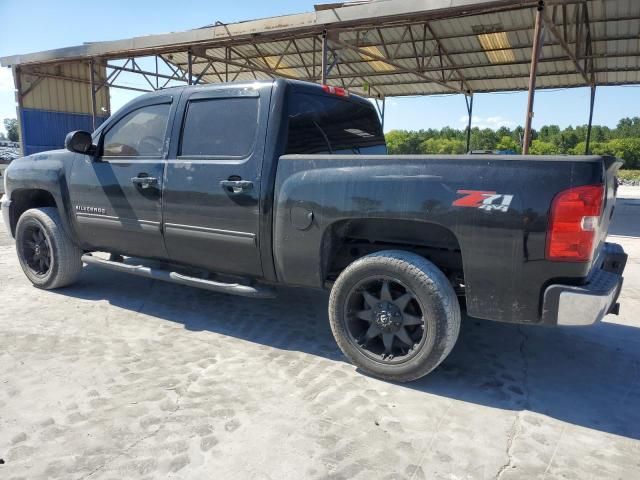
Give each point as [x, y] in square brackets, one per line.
[484, 200]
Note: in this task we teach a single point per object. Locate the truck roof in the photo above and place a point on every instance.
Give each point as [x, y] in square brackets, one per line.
[297, 85]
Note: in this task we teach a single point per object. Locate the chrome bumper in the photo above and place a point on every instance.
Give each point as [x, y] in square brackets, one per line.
[589, 303]
[5, 203]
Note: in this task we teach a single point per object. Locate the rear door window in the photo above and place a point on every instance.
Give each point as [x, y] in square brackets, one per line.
[325, 124]
[220, 127]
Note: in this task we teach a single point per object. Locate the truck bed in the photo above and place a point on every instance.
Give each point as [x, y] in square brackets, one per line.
[501, 244]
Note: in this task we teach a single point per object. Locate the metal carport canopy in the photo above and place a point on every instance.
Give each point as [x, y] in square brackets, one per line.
[389, 48]
[403, 47]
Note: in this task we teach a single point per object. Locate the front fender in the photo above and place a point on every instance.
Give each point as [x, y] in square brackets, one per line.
[47, 171]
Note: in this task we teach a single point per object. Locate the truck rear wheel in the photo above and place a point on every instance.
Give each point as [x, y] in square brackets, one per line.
[47, 255]
[394, 314]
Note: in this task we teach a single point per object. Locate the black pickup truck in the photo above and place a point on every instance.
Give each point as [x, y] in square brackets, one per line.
[240, 187]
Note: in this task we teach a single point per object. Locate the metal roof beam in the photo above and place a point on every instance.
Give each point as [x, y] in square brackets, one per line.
[178, 72]
[481, 50]
[362, 75]
[111, 78]
[82, 80]
[565, 46]
[251, 67]
[138, 70]
[304, 64]
[525, 77]
[117, 68]
[413, 46]
[588, 52]
[400, 68]
[205, 70]
[443, 49]
[488, 64]
[254, 65]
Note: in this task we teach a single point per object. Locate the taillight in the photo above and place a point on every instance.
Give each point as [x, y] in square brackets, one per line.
[573, 224]
[339, 91]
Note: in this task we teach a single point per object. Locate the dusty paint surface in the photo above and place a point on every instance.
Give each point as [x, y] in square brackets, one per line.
[120, 377]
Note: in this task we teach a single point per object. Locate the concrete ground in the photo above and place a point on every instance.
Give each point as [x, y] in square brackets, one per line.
[120, 377]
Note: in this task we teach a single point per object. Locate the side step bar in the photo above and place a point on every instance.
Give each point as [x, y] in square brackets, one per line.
[253, 291]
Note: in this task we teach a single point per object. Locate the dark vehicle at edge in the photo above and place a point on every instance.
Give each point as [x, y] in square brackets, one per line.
[237, 188]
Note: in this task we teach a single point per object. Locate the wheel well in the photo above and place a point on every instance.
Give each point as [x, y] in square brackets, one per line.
[349, 240]
[24, 199]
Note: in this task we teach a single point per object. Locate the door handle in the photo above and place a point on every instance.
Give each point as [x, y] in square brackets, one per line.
[236, 186]
[144, 182]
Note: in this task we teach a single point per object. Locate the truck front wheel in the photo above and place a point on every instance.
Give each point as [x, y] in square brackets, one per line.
[394, 314]
[47, 255]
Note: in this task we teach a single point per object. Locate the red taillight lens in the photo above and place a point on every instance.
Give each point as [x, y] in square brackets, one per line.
[339, 91]
[573, 225]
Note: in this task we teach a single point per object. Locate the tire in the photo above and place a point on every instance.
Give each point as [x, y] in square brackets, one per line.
[64, 262]
[354, 320]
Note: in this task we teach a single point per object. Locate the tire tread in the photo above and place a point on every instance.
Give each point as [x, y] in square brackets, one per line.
[67, 256]
[432, 280]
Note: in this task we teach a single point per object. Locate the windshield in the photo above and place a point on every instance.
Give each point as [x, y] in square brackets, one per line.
[324, 124]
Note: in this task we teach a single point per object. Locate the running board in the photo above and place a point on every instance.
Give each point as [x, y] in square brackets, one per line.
[256, 291]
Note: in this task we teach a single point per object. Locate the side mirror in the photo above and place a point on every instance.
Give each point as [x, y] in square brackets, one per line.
[79, 142]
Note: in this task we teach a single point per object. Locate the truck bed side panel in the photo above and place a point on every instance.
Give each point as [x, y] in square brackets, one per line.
[502, 245]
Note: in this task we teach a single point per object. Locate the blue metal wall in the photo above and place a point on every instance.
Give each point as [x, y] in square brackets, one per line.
[44, 130]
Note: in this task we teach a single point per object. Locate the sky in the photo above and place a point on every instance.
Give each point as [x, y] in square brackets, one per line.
[48, 24]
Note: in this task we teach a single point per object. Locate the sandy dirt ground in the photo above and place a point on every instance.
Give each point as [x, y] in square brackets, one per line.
[121, 377]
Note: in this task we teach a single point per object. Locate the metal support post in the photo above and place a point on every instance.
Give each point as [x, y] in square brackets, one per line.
[588, 141]
[469, 101]
[535, 56]
[325, 59]
[17, 81]
[92, 85]
[189, 67]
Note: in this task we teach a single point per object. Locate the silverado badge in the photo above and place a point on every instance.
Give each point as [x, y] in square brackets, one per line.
[85, 209]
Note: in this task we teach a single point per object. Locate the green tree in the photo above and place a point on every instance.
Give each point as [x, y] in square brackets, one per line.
[628, 127]
[485, 139]
[402, 142]
[579, 149]
[628, 149]
[503, 132]
[539, 147]
[508, 143]
[600, 134]
[622, 141]
[567, 140]
[549, 133]
[443, 146]
[11, 126]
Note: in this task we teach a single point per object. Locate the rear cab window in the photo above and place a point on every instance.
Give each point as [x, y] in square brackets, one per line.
[319, 123]
[220, 127]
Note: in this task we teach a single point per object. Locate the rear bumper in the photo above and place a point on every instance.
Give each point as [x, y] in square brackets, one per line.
[589, 303]
[5, 203]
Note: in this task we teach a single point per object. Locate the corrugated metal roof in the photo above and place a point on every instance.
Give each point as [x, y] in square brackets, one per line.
[406, 47]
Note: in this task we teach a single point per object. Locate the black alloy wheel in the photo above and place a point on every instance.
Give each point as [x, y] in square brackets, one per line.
[394, 314]
[385, 319]
[47, 255]
[36, 250]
